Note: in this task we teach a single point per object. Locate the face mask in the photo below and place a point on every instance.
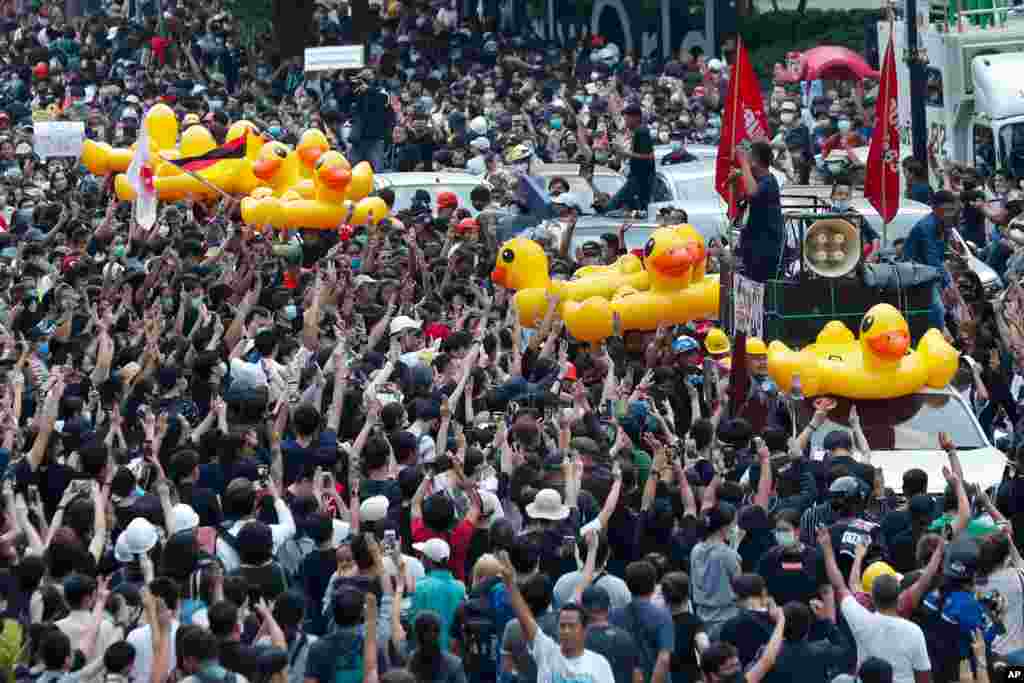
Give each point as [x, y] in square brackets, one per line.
[677, 145]
[734, 535]
[357, 262]
[167, 302]
[44, 349]
[663, 137]
[841, 205]
[9, 252]
[291, 312]
[844, 126]
[785, 538]
[119, 250]
[786, 117]
[197, 301]
[556, 124]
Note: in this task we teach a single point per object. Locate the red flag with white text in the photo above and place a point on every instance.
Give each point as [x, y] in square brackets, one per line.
[882, 179]
[743, 122]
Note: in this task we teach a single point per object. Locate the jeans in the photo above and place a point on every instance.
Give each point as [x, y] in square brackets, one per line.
[371, 150]
[635, 194]
[937, 309]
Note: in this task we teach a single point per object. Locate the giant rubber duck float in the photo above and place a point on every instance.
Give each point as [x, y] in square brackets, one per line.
[879, 364]
[312, 144]
[680, 290]
[340, 196]
[230, 176]
[101, 159]
[522, 265]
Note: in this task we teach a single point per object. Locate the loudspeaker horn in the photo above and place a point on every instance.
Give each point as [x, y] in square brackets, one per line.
[832, 247]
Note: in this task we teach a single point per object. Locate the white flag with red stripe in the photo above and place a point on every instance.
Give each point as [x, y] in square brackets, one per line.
[140, 176]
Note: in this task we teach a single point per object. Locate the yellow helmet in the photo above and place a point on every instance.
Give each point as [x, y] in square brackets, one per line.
[518, 153]
[716, 342]
[874, 570]
[190, 120]
[756, 347]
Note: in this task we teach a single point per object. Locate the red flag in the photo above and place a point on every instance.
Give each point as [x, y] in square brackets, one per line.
[743, 121]
[882, 179]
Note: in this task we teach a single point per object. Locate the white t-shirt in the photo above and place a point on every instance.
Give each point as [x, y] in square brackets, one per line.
[141, 639]
[554, 667]
[896, 640]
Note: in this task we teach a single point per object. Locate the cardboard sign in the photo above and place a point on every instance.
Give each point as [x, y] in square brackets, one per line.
[335, 57]
[58, 138]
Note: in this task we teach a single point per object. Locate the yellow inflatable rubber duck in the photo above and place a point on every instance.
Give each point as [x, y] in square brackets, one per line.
[878, 365]
[522, 265]
[680, 290]
[312, 144]
[101, 159]
[341, 196]
[232, 176]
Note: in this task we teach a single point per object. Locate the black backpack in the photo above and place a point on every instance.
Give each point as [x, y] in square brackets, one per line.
[480, 636]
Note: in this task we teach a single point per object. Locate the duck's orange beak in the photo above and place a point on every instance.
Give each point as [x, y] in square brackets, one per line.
[264, 169]
[498, 276]
[890, 344]
[309, 155]
[674, 262]
[335, 177]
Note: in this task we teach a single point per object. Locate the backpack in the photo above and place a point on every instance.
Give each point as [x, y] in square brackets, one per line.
[292, 553]
[481, 632]
[349, 667]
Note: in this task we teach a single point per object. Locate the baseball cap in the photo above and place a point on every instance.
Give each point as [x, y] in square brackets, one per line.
[434, 548]
[402, 323]
[374, 509]
[447, 200]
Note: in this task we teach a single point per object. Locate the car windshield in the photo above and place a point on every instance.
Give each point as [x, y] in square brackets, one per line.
[609, 184]
[405, 193]
[907, 423]
[700, 187]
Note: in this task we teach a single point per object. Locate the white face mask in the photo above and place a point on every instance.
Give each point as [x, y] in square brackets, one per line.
[841, 205]
[786, 117]
[785, 538]
[663, 136]
[844, 126]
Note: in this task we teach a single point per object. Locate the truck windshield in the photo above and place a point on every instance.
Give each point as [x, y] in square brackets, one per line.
[908, 423]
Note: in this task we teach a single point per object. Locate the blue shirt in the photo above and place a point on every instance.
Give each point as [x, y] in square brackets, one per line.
[761, 245]
[439, 592]
[923, 245]
[964, 610]
[323, 453]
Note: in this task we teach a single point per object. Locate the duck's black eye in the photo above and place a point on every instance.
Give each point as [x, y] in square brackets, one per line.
[508, 256]
[866, 324]
[649, 248]
[319, 163]
[281, 152]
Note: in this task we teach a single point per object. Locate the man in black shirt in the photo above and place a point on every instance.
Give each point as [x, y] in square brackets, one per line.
[761, 243]
[636, 193]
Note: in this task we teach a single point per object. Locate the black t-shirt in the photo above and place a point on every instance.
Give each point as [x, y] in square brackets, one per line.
[643, 143]
[240, 658]
[847, 534]
[617, 646]
[204, 502]
[684, 665]
[792, 573]
[314, 576]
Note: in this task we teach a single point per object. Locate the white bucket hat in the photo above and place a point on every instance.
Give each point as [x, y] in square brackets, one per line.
[183, 518]
[137, 539]
[547, 504]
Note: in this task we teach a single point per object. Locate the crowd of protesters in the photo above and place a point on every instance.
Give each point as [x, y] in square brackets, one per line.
[232, 458]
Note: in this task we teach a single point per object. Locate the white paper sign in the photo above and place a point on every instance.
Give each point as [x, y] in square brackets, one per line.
[335, 57]
[748, 306]
[58, 138]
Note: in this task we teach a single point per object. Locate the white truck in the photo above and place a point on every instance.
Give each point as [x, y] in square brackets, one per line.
[975, 93]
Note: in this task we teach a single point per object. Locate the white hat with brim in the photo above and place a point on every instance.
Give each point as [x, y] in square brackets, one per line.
[547, 504]
[183, 518]
[434, 549]
[137, 539]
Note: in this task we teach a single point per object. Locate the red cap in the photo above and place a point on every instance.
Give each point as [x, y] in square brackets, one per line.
[468, 225]
[437, 331]
[570, 372]
[447, 200]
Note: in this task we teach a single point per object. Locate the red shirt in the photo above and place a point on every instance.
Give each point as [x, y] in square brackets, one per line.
[457, 539]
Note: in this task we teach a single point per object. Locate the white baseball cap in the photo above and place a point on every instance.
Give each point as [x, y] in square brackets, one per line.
[435, 549]
[374, 509]
[402, 323]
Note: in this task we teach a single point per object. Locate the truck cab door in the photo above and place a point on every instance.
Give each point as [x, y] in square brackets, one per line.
[983, 150]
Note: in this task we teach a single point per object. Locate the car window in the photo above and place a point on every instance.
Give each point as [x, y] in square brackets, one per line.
[906, 423]
[609, 184]
[700, 187]
[405, 193]
[661, 192]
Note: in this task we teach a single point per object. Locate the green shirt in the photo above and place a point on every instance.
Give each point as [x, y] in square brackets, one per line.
[978, 526]
[439, 592]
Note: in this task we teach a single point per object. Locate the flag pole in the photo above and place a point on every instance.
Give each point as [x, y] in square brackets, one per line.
[735, 107]
[199, 178]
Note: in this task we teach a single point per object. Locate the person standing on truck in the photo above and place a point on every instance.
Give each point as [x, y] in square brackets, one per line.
[916, 176]
[926, 244]
[761, 242]
[636, 193]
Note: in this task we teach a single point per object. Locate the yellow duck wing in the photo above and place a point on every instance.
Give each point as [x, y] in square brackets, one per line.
[785, 363]
[532, 304]
[590, 320]
[939, 357]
